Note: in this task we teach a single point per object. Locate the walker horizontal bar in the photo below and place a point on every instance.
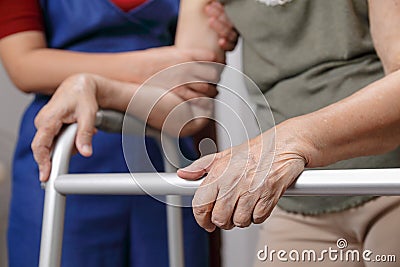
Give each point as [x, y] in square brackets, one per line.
[310, 182]
[125, 184]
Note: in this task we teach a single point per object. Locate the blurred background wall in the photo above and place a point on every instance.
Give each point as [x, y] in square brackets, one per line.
[12, 105]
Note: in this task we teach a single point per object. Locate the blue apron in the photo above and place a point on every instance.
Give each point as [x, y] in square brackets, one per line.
[99, 230]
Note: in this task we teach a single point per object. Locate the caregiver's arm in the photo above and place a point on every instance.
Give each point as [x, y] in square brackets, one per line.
[34, 68]
[193, 29]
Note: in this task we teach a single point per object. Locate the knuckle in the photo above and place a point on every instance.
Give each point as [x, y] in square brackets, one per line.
[35, 146]
[263, 210]
[52, 124]
[49, 128]
[43, 116]
[37, 121]
[86, 133]
[80, 80]
[200, 213]
[265, 201]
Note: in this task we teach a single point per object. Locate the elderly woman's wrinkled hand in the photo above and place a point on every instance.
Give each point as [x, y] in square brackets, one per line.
[243, 184]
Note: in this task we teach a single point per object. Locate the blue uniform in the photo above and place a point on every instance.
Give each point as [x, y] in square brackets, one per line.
[99, 230]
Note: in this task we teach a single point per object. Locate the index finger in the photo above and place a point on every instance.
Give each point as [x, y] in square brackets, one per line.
[203, 204]
[42, 145]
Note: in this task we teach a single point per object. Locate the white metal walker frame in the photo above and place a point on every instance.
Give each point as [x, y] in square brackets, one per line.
[60, 184]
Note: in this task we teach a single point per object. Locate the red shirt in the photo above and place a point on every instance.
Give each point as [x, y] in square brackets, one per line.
[25, 15]
[128, 5]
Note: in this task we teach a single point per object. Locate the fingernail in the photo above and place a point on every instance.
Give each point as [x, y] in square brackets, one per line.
[87, 149]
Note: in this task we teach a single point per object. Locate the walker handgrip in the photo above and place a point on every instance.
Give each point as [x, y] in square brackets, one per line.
[116, 122]
[109, 121]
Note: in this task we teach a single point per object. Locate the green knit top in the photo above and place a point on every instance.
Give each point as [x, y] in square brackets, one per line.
[305, 55]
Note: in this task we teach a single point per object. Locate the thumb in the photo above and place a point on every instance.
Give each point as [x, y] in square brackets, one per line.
[197, 169]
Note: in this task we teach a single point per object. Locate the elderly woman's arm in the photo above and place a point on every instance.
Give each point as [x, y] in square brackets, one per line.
[244, 184]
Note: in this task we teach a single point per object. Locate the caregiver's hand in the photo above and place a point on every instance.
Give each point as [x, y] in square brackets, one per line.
[244, 183]
[220, 23]
[156, 59]
[74, 101]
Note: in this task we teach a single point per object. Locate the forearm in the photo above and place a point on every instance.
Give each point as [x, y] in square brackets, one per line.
[113, 94]
[366, 123]
[37, 69]
[193, 29]
[154, 105]
[45, 69]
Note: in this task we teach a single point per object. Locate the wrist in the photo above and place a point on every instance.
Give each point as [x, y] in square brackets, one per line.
[103, 95]
[295, 136]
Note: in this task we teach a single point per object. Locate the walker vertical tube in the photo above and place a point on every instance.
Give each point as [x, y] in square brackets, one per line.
[54, 203]
[174, 211]
[175, 231]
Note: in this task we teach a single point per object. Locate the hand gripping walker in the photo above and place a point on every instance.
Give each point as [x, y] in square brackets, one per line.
[60, 184]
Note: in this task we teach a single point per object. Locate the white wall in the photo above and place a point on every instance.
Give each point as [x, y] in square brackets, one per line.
[12, 104]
